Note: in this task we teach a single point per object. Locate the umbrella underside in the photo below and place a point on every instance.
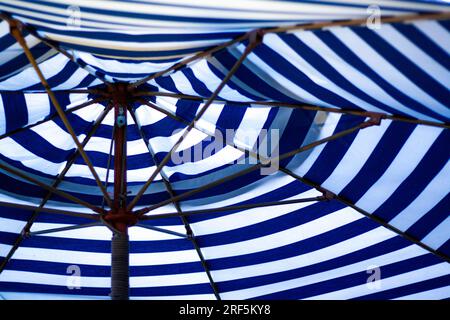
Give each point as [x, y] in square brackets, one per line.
[298, 151]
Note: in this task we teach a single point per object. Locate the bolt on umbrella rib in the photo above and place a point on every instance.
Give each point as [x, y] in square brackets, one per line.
[189, 232]
[233, 207]
[15, 31]
[166, 159]
[366, 124]
[372, 217]
[53, 116]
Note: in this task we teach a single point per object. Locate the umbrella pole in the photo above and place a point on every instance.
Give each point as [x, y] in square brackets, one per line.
[118, 217]
[120, 286]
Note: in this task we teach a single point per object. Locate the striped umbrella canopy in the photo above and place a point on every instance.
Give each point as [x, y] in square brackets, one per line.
[251, 149]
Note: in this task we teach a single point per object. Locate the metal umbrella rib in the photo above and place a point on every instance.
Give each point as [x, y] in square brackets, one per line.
[253, 43]
[292, 105]
[122, 213]
[189, 233]
[55, 184]
[255, 167]
[15, 31]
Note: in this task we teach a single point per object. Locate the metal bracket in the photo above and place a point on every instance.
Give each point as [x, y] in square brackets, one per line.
[328, 195]
[374, 119]
[256, 37]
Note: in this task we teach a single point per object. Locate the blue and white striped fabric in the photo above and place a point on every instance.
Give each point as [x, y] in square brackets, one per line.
[161, 30]
[398, 172]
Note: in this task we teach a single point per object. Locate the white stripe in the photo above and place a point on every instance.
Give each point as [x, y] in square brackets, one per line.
[247, 217]
[333, 251]
[356, 156]
[47, 296]
[102, 233]
[74, 80]
[227, 155]
[386, 70]
[417, 56]
[277, 80]
[250, 191]
[135, 175]
[28, 77]
[183, 84]
[207, 122]
[435, 32]
[104, 259]
[203, 73]
[102, 282]
[302, 162]
[148, 116]
[15, 49]
[439, 235]
[100, 144]
[353, 75]
[38, 106]
[11, 226]
[2, 117]
[434, 294]
[316, 76]
[14, 151]
[434, 192]
[128, 69]
[56, 136]
[305, 231]
[250, 127]
[411, 153]
[392, 257]
[397, 281]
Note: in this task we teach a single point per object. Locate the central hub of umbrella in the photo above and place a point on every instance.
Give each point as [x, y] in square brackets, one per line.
[121, 99]
[121, 93]
[121, 218]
